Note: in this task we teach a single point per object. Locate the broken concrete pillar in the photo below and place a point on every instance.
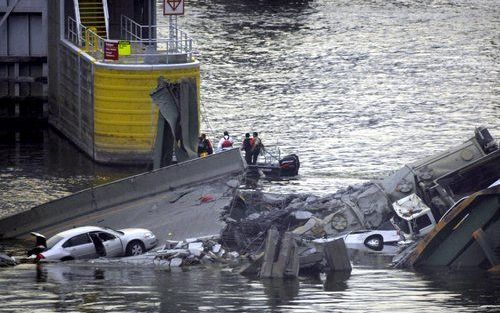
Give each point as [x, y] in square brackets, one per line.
[336, 255]
[269, 253]
[287, 258]
[293, 264]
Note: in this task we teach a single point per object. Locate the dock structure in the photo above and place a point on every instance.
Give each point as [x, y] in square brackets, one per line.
[89, 67]
[105, 59]
[23, 62]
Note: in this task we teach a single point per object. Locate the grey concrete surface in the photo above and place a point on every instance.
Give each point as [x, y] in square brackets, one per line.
[129, 198]
[177, 214]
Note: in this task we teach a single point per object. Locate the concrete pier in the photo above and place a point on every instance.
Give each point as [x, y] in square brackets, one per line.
[23, 62]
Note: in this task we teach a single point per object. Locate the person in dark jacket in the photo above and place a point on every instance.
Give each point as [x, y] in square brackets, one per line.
[204, 146]
[256, 147]
[246, 145]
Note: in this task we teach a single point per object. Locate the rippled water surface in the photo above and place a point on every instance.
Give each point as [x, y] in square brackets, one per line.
[89, 288]
[355, 88]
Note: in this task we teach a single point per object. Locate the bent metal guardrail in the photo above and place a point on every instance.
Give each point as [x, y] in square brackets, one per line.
[143, 47]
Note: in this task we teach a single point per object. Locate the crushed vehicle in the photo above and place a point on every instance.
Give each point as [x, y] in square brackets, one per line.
[89, 242]
[372, 239]
[413, 217]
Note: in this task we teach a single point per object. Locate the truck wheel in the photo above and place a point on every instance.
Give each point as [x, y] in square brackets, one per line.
[375, 242]
[135, 247]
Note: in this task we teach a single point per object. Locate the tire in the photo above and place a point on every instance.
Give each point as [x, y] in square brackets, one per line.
[135, 247]
[67, 258]
[374, 242]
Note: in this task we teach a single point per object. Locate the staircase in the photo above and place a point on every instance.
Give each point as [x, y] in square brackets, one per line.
[93, 13]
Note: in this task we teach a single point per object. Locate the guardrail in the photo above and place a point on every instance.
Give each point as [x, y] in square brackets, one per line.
[144, 49]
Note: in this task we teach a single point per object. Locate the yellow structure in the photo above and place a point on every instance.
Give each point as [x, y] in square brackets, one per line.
[99, 91]
[125, 119]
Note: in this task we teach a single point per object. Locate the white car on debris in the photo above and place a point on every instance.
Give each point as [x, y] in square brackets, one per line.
[89, 242]
[372, 239]
[383, 240]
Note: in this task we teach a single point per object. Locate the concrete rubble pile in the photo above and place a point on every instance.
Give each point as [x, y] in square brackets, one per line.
[287, 254]
[192, 251]
[175, 254]
[284, 255]
[298, 226]
[308, 216]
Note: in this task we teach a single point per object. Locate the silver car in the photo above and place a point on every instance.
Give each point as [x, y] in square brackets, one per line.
[89, 242]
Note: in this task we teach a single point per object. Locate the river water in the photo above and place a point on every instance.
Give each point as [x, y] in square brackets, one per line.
[355, 88]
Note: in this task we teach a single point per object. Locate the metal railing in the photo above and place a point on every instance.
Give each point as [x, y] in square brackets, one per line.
[144, 49]
[177, 40]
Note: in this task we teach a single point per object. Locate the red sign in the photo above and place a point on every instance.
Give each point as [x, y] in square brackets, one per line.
[173, 7]
[111, 50]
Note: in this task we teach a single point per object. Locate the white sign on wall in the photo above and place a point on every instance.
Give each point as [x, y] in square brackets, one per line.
[173, 7]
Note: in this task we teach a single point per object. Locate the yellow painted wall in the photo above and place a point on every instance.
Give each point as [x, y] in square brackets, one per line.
[125, 118]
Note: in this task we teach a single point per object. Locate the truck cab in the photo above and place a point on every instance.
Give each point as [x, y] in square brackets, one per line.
[413, 217]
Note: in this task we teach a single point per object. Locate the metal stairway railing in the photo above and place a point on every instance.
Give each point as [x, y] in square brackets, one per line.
[170, 38]
[93, 13]
[143, 49]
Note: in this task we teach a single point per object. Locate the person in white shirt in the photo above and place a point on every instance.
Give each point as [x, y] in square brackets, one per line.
[226, 142]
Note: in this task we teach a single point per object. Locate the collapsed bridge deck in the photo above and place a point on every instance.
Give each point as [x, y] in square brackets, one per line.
[174, 202]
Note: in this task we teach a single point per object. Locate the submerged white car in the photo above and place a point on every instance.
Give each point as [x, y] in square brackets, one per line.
[89, 242]
[372, 239]
[368, 240]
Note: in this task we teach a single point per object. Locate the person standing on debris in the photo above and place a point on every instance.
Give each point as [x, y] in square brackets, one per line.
[226, 142]
[204, 146]
[246, 145]
[256, 147]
